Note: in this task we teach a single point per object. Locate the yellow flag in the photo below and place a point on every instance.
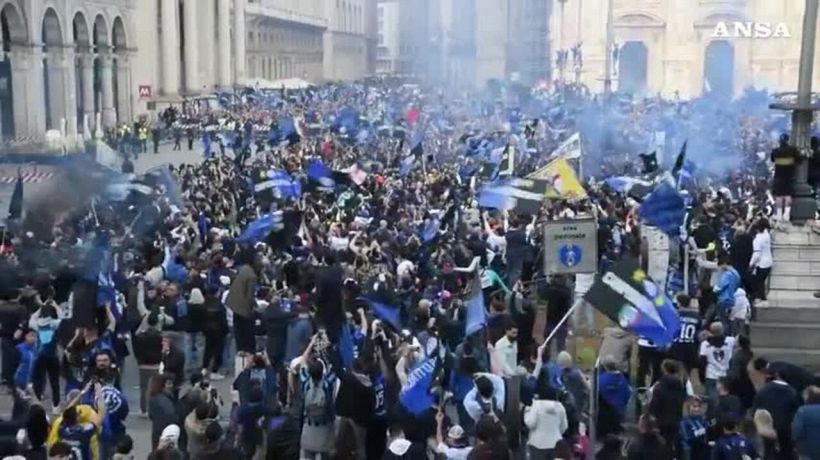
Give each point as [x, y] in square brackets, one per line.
[565, 183]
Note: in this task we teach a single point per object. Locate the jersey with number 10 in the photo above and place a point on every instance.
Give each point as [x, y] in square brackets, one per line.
[685, 347]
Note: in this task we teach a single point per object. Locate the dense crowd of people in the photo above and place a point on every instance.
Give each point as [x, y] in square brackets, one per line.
[328, 253]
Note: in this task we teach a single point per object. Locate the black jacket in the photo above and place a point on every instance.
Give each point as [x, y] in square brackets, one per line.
[148, 347]
[213, 317]
[729, 406]
[175, 364]
[649, 447]
[781, 401]
[796, 376]
[667, 402]
[517, 246]
[329, 281]
[356, 398]
[559, 301]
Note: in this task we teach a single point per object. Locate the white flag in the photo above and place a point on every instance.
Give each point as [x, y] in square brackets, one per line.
[570, 149]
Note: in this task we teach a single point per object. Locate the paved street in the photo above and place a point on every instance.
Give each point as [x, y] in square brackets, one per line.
[166, 154]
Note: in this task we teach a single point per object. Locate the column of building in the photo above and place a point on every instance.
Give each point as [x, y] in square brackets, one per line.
[87, 86]
[207, 42]
[191, 47]
[239, 35]
[109, 117]
[123, 93]
[170, 46]
[25, 68]
[223, 26]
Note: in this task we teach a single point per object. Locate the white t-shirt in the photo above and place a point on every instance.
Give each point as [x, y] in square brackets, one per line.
[740, 310]
[497, 244]
[762, 244]
[717, 358]
[339, 244]
[454, 453]
[405, 269]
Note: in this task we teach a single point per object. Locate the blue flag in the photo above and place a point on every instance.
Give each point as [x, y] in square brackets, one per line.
[202, 226]
[507, 196]
[408, 163]
[476, 317]
[416, 396]
[259, 229]
[664, 208]
[686, 175]
[635, 302]
[430, 231]
[623, 184]
[465, 172]
[116, 407]
[346, 352]
[282, 183]
[384, 312]
[106, 291]
[320, 173]
[166, 179]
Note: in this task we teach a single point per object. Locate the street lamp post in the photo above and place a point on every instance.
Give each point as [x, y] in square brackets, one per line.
[803, 202]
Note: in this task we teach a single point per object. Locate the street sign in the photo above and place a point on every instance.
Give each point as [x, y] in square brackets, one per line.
[571, 246]
[145, 91]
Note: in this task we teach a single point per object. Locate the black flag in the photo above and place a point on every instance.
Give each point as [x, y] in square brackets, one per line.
[650, 162]
[16, 204]
[680, 160]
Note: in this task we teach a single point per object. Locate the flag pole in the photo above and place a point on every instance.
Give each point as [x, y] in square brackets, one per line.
[592, 420]
[94, 212]
[563, 320]
[686, 268]
[581, 160]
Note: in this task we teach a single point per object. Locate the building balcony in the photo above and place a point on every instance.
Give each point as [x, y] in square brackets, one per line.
[282, 14]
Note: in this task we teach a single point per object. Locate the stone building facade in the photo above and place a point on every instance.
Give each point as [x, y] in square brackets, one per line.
[67, 63]
[63, 62]
[684, 47]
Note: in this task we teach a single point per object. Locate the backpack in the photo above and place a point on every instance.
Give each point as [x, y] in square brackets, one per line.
[316, 403]
[45, 338]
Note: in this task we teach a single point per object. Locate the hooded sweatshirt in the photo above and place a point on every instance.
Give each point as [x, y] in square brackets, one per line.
[169, 437]
[805, 427]
[666, 405]
[401, 448]
[741, 308]
[547, 421]
[618, 344]
[195, 429]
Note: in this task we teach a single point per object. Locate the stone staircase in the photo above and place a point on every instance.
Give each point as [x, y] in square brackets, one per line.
[789, 328]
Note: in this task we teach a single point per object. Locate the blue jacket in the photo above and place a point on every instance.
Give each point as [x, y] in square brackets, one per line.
[805, 427]
[733, 447]
[726, 287]
[300, 330]
[27, 354]
[265, 377]
[693, 436]
[614, 389]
